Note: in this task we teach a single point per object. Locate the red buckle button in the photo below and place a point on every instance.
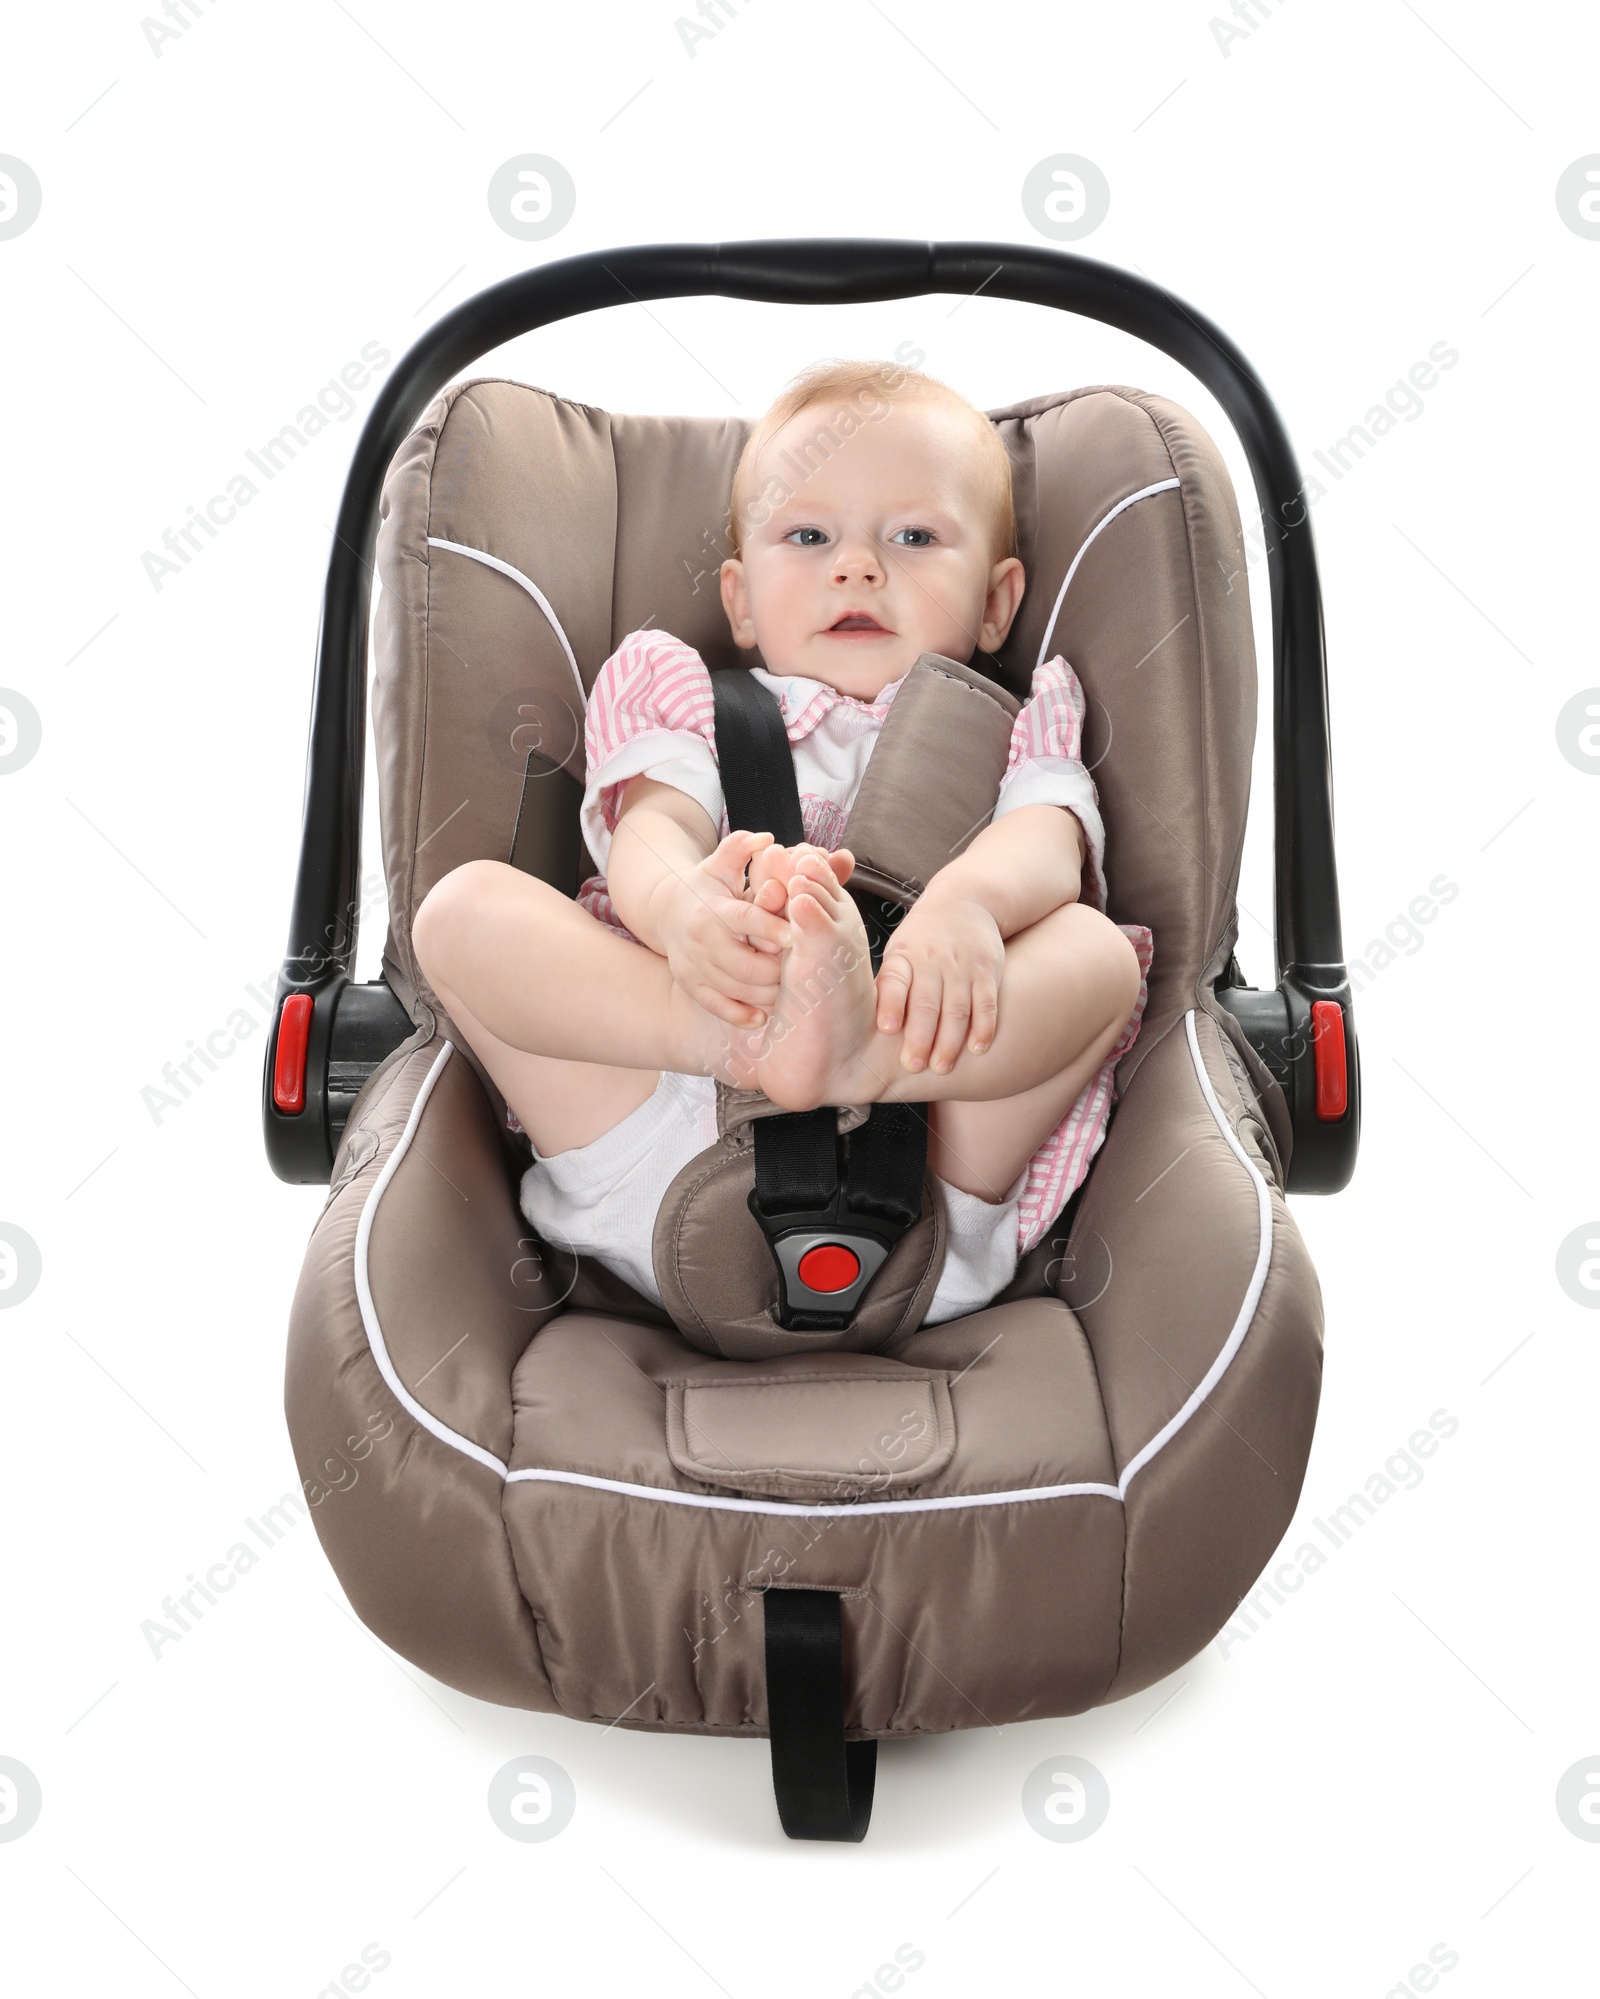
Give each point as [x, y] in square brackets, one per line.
[289, 1071]
[829, 1267]
[1327, 1042]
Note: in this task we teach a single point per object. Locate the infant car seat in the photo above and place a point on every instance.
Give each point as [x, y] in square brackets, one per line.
[547, 1498]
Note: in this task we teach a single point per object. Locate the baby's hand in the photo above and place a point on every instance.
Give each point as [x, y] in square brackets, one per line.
[772, 868]
[940, 981]
[720, 945]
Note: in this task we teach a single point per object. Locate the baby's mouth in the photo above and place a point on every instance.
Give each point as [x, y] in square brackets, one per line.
[858, 622]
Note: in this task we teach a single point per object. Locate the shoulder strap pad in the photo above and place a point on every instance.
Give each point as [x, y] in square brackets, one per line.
[932, 780]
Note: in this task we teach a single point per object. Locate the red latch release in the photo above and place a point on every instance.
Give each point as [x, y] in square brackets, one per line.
[1327, 1043]
[289, 1072]
[829, 1267]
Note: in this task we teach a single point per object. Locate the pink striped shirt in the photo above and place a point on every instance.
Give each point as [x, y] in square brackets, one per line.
[651, 712]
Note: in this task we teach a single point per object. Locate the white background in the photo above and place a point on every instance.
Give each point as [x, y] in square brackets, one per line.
[1306, 1809]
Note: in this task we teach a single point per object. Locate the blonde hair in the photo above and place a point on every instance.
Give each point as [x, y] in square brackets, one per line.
[872, 387]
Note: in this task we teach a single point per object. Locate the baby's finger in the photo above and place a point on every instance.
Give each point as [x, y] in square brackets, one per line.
[735, 1012]
[752, 1005]
[894, 983]
[753, 978]
[728, 860]
[922, 1019]
[985, 1013]
[743, 920]
[955, 1010]
[732, 963]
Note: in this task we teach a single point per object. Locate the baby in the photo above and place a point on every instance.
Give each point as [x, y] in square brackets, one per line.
[698, 954]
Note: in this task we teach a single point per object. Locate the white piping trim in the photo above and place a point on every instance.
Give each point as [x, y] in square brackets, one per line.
[943, 1503]
[847, 1509]
[1252, 1297]
[369, 1312]
[1144, 492]
[533, 590]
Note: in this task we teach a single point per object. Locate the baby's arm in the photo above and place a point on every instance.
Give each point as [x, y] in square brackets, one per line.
[1020, 867]
[682, 895]
[941, 972]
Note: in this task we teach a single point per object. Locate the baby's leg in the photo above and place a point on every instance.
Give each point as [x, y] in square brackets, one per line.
[560, 1104]
[573, 1022]
[982, 1147]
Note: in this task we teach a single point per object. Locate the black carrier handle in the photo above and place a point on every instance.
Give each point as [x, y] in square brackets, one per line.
[1303, 1028]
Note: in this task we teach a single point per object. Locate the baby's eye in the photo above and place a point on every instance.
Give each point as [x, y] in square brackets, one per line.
[915, 544]
[809, 544]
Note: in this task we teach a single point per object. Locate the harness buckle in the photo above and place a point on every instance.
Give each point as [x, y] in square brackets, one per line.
[825, 1260]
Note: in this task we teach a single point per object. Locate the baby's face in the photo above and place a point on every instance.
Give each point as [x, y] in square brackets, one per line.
[889, 532]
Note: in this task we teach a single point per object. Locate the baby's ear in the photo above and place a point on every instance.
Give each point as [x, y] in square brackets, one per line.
[1007, 581]
[736, 602]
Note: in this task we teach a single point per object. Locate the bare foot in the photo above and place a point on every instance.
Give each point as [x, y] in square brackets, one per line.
[771, 871]
[827, 1001]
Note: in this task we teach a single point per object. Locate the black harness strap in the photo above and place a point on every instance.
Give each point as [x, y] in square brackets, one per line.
[797, 1164]
[887, 1157]
[802, 1200]
[753, 758]
[752, 749]
[797, 1161]
[823, 1784]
